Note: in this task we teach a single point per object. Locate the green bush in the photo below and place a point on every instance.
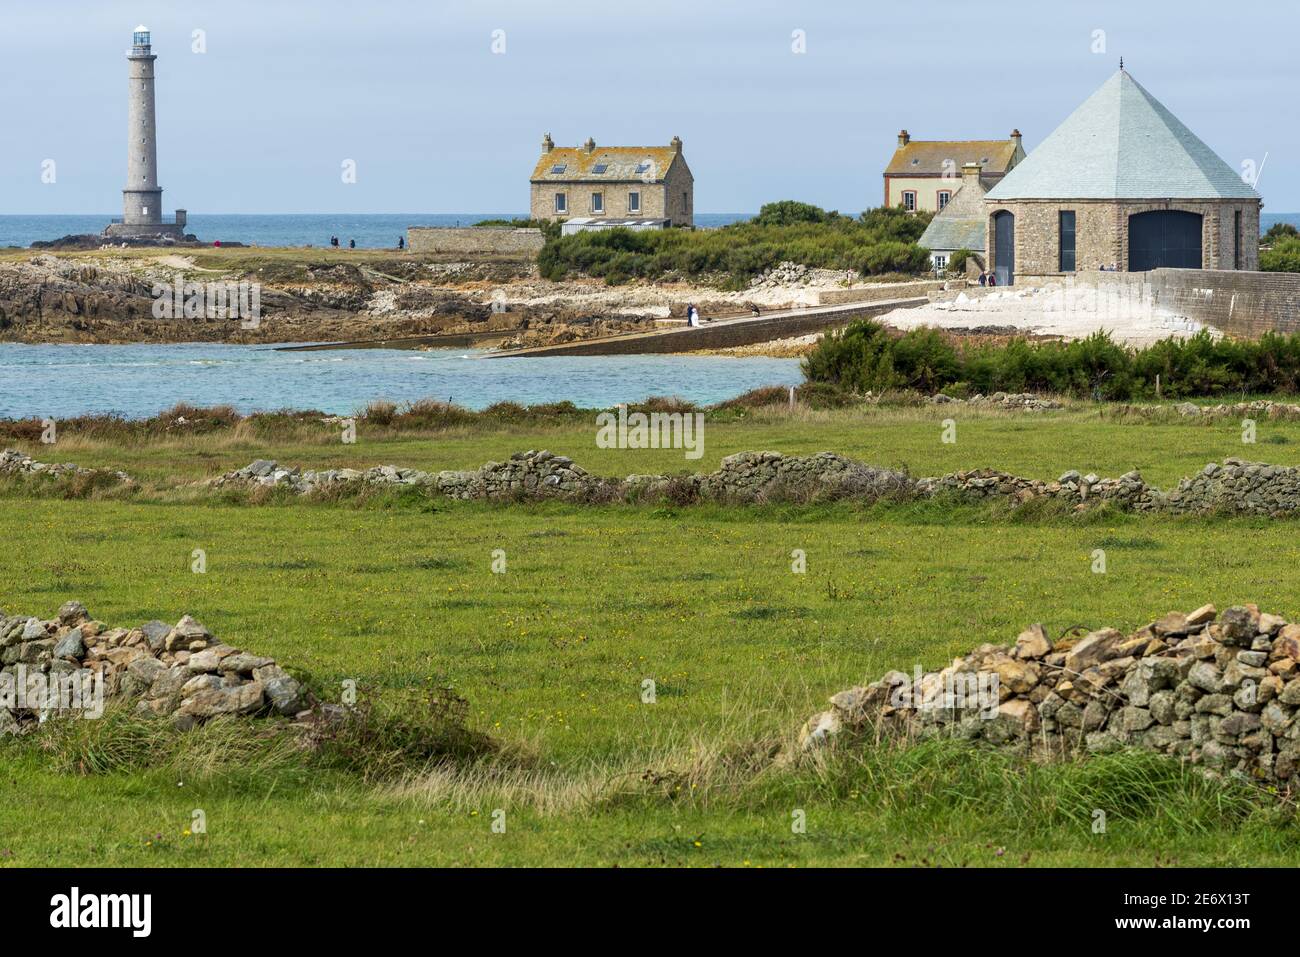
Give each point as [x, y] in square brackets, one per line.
[957, 261]
[1280, 231]
[881, 242]
[864, 356]
[1283, 256]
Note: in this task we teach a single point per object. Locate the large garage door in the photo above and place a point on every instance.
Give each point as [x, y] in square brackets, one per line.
[1166, 238]
[1004, 233]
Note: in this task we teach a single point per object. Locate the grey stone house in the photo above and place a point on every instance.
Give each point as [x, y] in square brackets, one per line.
[1121, 184]
[628, 182]
[962, 223]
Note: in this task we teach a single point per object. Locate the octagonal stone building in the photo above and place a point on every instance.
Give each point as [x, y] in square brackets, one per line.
[1122, 184]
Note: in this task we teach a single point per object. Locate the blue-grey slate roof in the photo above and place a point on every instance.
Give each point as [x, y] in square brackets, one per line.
[949, 235]
[1122, 143]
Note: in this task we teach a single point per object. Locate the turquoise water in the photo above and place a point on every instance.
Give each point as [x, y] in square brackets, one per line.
[370, 230]
[135, 381]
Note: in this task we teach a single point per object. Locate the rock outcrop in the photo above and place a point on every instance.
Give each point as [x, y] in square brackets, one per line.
[1219, 691]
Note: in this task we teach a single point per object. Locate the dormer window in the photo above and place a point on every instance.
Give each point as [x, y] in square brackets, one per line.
[559, 168]
[600, 168]
[642, 167]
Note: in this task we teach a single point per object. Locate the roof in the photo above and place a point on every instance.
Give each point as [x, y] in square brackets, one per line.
[621, 162]
[962, 224]
[929, 157]
[1122, 144]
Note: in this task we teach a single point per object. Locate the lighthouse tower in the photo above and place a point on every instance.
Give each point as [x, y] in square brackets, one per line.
[142, 197]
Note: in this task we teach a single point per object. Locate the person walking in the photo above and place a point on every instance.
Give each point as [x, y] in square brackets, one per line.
[984, 278]
[401, 242]
[352, 244]
[993, 279]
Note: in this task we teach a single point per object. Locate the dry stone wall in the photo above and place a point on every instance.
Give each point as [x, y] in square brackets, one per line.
[1220, 691]
[1235, 486]
[181, 672]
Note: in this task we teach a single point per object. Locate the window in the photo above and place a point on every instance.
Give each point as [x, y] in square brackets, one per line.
[1067, 240]
[634, 201]
[600, 168]
[909, 200]
[1236, 243]
[597, 202]
[642, 167]
[944, 196]
[561, 203]
[940, 263]
[559, 168]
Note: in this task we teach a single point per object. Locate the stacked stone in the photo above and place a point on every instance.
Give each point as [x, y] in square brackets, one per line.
[1016, 401]
[526, 474]
[1238, 486]
[531, 473]
[14, 462]
[179, 671]
[1221, 692]
[1235, 486]
[1238, 410]
[1128, 491]
[764, 476]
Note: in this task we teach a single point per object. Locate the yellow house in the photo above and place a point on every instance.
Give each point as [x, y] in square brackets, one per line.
[924, 174]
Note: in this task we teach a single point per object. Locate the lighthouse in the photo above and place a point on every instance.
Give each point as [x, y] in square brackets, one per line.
[142, 197]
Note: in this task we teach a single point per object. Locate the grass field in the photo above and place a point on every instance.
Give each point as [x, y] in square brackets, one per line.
[398, 593]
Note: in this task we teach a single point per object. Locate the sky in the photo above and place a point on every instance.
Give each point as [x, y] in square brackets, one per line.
[441, 104]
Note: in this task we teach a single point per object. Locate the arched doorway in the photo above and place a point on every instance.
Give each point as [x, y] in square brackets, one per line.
[1164, 238]
[1004, 240]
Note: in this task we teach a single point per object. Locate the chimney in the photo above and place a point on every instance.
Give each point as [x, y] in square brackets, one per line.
[590, 145]
[676, 144]
[1015, 137]
[904, 138]
[970, 173]
[548, 144]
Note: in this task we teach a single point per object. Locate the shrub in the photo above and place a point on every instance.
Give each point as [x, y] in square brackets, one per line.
[1283, 256]
[880, 243]
[866, 356]
[1280, 231]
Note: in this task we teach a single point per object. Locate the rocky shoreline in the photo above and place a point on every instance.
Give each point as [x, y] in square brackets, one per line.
[314, 296]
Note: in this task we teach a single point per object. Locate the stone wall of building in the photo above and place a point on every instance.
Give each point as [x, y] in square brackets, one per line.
[1101, 233]
[1238, 302]
[474, 240]
[672, 199]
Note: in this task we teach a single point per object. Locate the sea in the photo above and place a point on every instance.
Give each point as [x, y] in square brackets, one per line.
[370, 230]
[138, 381]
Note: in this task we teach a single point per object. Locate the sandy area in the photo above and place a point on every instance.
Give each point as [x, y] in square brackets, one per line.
[1054, 310]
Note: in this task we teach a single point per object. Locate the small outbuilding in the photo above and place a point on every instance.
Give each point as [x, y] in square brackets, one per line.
[1122, 184]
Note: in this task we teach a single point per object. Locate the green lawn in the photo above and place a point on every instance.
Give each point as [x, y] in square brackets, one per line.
[552, 655]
